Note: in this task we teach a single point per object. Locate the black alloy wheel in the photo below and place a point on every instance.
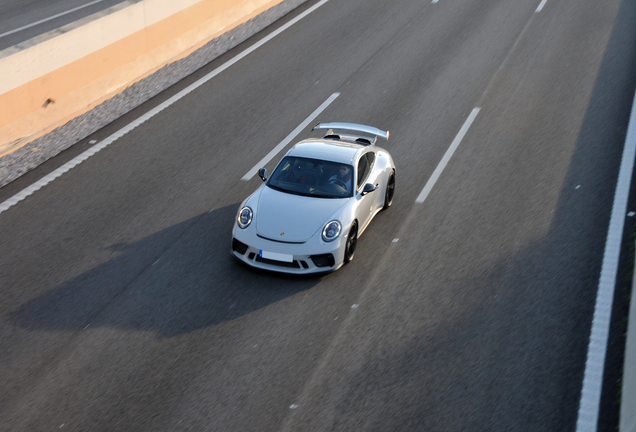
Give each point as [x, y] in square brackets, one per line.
[390, 190]
[352, 241]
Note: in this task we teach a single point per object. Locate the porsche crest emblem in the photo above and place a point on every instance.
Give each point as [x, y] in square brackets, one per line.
[282, 233]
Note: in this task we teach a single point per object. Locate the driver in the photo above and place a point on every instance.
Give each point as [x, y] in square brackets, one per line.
[343, 175]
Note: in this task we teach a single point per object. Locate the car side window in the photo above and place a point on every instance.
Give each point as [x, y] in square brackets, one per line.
[371, 159]
[364, 168]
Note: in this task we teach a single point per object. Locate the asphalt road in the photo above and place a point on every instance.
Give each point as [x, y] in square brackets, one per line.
[122, 308]
[21, 20]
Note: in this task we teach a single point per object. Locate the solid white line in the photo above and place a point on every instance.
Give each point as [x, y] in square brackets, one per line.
[288, 138]
[540, 8]
[81, 158]
[50, 18]
[589, 405]
[449, 153]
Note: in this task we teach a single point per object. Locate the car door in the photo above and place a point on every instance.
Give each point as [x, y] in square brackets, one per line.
[366, 202]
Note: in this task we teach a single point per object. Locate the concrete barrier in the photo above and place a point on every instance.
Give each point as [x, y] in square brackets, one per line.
[55, 78]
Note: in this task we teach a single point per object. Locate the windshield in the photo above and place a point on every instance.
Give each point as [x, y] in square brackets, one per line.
[312, 177]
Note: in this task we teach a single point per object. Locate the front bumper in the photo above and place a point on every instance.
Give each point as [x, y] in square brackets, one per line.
[313, 256]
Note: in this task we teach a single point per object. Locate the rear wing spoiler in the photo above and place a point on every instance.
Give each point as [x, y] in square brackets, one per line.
[352, 127]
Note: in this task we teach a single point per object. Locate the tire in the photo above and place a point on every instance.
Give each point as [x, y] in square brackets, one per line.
[390, 190]
[352, 241]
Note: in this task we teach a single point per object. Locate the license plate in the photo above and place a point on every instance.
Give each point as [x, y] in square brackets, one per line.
[276, 256]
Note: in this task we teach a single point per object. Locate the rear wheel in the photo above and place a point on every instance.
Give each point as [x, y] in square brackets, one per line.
[390, 190]
[352, 241]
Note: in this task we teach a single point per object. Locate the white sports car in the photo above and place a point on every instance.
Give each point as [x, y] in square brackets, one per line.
[308, 215]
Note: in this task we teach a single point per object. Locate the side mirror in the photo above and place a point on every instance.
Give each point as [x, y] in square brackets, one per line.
[262, 173]
[369, 187]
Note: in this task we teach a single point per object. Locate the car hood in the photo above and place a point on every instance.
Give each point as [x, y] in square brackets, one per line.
[292, 218]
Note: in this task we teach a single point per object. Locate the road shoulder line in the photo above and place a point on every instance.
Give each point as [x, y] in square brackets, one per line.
[589, 406]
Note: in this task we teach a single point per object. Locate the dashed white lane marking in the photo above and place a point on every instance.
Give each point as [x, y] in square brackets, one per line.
[33, 24]
[589, 405]
[81, 158]
[447, 156]
[540, 7]
[251, 173]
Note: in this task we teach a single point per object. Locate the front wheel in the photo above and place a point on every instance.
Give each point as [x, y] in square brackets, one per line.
[352, 241]
[390, 190]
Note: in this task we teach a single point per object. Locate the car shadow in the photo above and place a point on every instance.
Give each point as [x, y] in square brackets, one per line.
[175, 281]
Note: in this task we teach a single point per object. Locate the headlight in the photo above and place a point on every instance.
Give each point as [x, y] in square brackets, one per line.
[331, 231]
[244, 217]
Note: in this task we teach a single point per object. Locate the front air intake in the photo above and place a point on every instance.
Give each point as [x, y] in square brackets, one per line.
[239, 247]
[324, 260]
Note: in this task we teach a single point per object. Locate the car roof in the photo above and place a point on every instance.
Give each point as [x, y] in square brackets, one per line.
[326, 149]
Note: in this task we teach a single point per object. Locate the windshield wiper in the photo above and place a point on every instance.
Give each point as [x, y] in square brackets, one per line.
[289, 191]
[278, 188]
[326, 196]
